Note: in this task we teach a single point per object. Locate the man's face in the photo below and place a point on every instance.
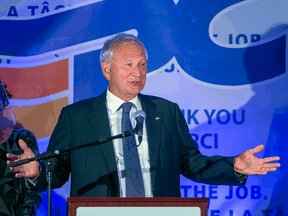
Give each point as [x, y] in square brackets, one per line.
[126, 71]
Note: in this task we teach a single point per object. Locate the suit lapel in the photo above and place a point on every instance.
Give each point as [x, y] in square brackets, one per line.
[154, 127]
[100, 124]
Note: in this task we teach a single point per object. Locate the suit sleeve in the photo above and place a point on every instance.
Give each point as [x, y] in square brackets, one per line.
[215, 170]
[62, 167]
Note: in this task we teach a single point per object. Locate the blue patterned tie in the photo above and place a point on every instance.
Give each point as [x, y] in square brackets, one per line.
[134, 179]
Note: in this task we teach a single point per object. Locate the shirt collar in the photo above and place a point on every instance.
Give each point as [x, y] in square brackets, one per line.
[114, 102]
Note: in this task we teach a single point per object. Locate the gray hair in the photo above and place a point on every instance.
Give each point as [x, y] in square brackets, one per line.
[107, 49]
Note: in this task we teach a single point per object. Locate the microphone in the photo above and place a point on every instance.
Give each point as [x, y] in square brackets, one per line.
[139, 116]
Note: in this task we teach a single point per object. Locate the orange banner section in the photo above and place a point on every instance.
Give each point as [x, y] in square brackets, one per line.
[36, 82]
[40, 119]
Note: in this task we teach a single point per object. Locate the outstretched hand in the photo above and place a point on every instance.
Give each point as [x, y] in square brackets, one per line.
[246, 163]
[29, 170]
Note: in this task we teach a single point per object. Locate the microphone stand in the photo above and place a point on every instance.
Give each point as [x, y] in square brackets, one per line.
[50, 164]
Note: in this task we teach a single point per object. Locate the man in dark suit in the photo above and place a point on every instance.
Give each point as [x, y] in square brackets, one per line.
[167, 149]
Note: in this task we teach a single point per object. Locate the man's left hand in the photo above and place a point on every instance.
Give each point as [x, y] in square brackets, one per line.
[246, 163]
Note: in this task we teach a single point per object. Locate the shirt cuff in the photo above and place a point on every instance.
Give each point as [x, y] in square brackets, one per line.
[30, 183]
[241, 177]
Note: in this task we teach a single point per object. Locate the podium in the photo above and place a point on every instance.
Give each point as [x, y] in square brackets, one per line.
[79, 206]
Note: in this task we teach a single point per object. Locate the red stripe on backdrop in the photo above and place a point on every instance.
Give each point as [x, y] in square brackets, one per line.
[36, 82]
[40, 119]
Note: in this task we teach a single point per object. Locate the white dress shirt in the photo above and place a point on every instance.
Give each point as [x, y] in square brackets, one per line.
[113, 104]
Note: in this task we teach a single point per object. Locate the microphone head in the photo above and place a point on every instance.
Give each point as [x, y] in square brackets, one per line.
[139, 113]
[139, 116]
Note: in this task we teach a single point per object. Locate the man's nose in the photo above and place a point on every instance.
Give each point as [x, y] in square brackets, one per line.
[136, 71]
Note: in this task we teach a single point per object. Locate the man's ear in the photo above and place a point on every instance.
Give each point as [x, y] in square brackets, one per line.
[106, 70]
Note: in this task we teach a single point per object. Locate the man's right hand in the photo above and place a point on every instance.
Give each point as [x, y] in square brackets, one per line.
[29, 170]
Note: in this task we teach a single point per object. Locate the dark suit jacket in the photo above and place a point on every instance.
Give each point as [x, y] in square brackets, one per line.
[171, 148]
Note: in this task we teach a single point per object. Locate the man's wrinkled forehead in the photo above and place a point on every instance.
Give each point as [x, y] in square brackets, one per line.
[118, 46]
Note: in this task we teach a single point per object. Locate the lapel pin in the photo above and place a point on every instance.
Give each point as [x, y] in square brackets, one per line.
[157, 118]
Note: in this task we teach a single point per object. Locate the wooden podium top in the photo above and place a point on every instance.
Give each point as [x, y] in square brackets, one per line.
[75, 202]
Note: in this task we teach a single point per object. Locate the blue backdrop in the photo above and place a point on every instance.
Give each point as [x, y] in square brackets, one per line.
[223, 62]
